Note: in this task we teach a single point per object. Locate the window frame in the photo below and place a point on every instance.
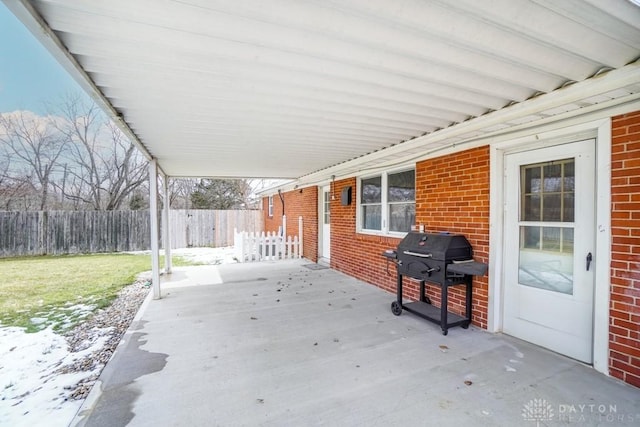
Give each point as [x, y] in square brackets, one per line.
[326, 207]
[270, 206]
[384, 202]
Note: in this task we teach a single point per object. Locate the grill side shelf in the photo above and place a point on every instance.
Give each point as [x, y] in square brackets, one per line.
[472, 268]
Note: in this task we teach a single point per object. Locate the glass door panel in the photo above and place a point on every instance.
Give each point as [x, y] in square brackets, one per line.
[546, 226]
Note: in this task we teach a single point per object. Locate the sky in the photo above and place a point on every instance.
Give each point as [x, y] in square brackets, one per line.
[29, 76]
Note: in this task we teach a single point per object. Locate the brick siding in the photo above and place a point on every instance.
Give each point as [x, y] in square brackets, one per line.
[358, 255]
[624, 309]
[301, 202]
[452, 195]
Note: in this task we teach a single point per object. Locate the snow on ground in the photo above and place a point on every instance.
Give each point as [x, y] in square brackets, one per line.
[32, 392]
[209, 256]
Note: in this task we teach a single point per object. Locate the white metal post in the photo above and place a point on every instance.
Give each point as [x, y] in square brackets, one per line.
[284, 236]
[166, 229]
[238, 245]
[300, 235]
[153, 214]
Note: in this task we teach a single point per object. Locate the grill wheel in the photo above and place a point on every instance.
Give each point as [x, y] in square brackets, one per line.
[396, 308]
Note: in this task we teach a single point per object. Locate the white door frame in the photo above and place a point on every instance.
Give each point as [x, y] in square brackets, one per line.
[601, 130]
[321, 235]
[559, 317]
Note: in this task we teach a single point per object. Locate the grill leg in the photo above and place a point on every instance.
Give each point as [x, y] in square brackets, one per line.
[444, 303]
[396, 306]
[423, 295]
[469, 295]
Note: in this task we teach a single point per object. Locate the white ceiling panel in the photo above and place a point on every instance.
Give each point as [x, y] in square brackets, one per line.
[291, 89]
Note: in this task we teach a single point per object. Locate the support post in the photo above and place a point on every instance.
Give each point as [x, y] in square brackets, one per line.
[153, 214]
[300, 241]
[166, 229]
[238, 244]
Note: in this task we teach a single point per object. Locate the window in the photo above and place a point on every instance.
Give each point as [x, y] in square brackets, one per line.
[388, 202]
[371, 203]
[401, 199]
[548, 192]
[270, 205]
[327, 208]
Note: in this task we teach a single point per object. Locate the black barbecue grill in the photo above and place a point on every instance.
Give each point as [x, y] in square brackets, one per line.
[441, 259]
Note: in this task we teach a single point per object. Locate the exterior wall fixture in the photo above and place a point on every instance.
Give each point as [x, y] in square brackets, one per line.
[345, 199]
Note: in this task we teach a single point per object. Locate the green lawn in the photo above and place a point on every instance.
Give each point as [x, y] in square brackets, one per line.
[45, 287]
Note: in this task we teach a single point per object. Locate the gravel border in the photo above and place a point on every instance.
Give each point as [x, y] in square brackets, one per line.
[111, 322]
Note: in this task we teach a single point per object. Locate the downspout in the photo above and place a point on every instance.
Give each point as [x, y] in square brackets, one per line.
[282, 200]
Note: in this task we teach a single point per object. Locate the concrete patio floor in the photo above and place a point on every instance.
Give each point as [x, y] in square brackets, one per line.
[280, 344]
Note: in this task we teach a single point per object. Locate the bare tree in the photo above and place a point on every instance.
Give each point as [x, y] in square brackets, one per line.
[5, 177]
[15, 189]
[126, 168]
[105, 168]
[35, 147]
[180, 190]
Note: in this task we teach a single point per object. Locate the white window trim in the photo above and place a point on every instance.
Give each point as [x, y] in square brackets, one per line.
[384, 231]
[270, 205]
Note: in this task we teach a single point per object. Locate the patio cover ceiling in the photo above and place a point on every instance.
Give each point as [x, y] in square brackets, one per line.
[306, 89]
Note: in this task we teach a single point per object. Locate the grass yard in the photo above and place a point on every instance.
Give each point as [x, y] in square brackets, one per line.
[60, 291]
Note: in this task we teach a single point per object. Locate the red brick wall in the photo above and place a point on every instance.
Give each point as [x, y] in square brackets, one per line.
[271, 223]
[302, 202]
[624, 320]
[452, 195]
[358, 255]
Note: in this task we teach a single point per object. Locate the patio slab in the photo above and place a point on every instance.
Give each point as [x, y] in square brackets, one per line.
[279, 344]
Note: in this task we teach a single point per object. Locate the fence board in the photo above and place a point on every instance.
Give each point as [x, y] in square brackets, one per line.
[69, 232]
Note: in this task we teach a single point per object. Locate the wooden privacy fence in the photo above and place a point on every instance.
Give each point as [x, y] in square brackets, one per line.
[70, 232]
[270, 246]
[210, 228]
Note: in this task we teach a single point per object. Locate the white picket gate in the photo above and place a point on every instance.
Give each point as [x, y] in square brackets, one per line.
[268, 246]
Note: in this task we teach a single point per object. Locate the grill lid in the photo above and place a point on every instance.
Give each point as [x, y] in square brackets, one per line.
[437, 246]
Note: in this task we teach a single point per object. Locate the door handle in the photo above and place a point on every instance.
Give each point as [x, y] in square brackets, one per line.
[589, 259]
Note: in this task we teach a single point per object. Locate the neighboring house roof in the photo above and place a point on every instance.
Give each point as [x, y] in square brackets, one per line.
[291, 89]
